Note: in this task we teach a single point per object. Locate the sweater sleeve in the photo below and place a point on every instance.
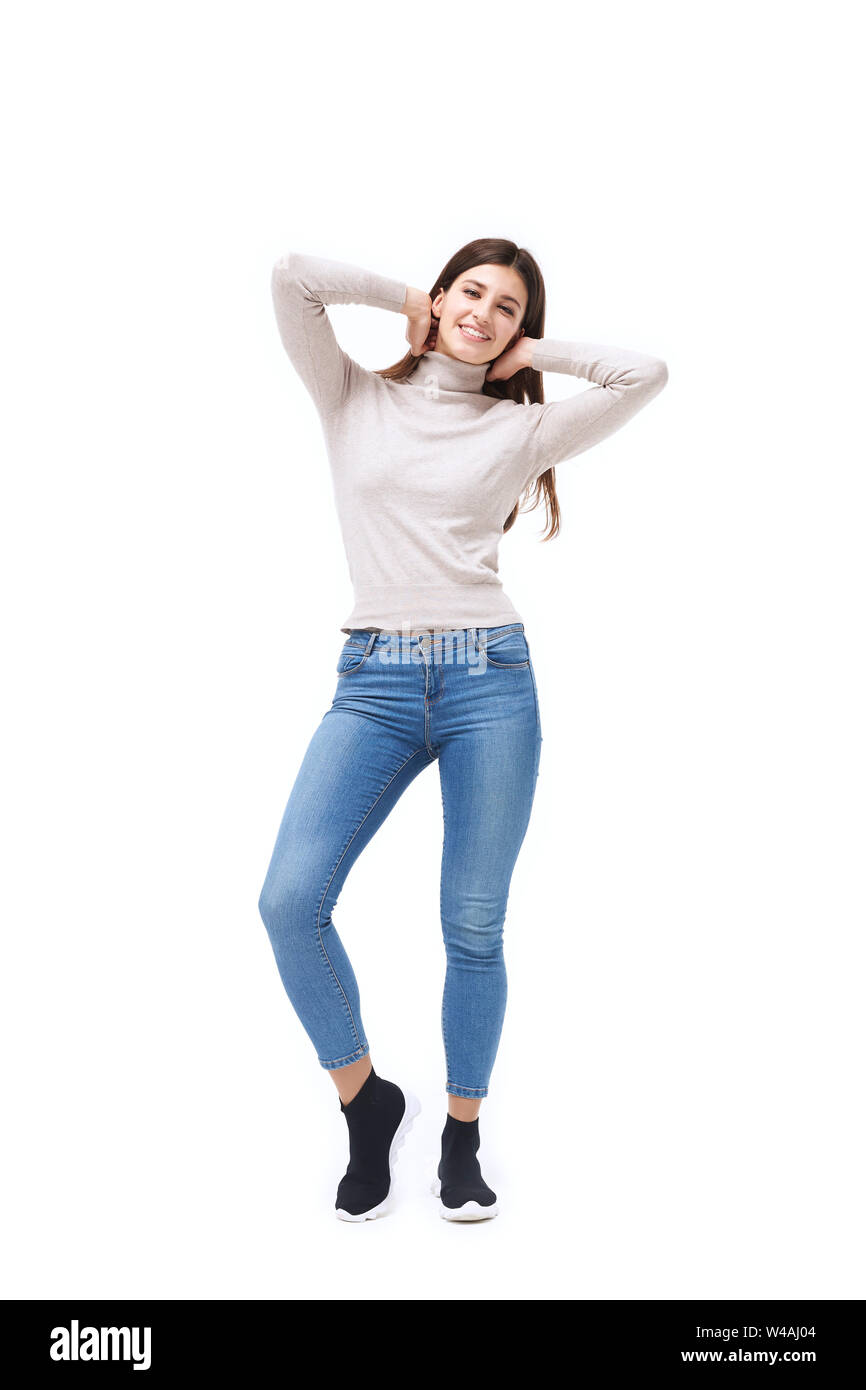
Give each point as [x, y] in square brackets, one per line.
[301, 286]
[625, 382]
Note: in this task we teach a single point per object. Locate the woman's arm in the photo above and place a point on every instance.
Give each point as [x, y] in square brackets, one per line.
[625, 382]
[301, 287]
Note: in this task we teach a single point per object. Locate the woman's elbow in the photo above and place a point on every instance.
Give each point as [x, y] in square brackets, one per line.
[659, 375]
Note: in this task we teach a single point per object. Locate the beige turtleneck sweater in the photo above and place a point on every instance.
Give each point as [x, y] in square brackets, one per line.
[426, 471]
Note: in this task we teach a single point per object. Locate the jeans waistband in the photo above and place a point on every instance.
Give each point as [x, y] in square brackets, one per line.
[467, 634]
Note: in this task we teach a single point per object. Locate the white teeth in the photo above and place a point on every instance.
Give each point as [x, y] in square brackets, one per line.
[482, 337]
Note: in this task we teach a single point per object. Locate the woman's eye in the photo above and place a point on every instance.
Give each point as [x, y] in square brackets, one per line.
[509, 312]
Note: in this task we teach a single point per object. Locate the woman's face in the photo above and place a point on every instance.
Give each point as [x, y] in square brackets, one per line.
[489, 298]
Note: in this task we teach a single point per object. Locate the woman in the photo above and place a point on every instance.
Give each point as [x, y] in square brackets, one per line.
[430, 459]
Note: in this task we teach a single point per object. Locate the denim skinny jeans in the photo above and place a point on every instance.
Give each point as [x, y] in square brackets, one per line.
[467, 699]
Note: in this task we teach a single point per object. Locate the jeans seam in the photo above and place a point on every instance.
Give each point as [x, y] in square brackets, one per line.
[368, 812]
[537, 711]
[442, 918]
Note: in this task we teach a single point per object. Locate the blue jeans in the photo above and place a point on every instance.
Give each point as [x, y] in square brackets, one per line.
[465, 698]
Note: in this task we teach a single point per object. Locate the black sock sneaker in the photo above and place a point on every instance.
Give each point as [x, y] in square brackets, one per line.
[463, 1194]
[379, 1118]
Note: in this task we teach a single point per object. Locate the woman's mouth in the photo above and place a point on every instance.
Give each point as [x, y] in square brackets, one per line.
[473, 337]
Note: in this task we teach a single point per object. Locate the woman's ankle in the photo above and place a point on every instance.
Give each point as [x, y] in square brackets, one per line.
[463, 1107]
[349, 1080]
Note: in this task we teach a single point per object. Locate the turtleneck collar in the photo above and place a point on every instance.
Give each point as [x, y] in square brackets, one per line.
[437, 371]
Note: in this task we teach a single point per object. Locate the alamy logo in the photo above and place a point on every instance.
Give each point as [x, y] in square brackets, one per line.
[102, 1344]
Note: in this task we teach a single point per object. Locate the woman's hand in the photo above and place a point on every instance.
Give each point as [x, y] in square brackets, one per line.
[422, 328]
[511, 360]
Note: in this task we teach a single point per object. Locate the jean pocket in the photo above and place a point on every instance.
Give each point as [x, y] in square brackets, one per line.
[511, 649]
[354, 655]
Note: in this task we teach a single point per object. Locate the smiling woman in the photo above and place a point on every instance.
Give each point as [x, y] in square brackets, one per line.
[445, 425]
[430, 458]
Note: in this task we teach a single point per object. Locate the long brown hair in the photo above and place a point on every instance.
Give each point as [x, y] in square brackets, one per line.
[525, 385]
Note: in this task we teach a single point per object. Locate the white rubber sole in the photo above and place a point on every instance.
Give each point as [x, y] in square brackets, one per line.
[413, 1109]
[470, 1211]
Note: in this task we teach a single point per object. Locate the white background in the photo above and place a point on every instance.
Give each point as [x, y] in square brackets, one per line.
[676, 1110]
